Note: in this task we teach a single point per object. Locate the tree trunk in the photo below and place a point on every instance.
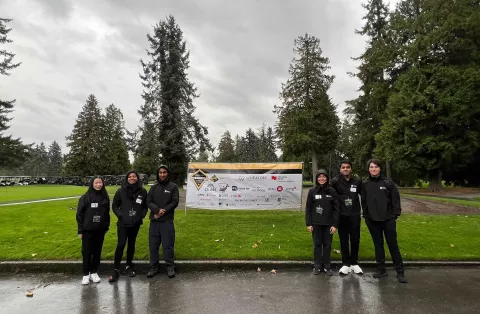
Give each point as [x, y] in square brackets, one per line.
[314, 166]
[389, 170]
[435, 182]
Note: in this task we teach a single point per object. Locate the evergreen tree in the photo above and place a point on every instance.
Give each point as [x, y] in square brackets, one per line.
[55, 159]
[85, 141]
[226, 148]
[12, 151]
[115, 152]
[267, 145]
[434, 111]
[240, 149]
[170, 94]
[307, 121]
[251, 147]
[37, 163]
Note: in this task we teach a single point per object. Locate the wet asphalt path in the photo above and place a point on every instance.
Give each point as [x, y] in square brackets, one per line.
[431, 290]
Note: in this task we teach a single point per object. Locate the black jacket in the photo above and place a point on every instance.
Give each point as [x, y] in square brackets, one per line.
[130, 210]
[93, 213]
[322, 207]
[348, 194]
[163, 195]
[380, 199]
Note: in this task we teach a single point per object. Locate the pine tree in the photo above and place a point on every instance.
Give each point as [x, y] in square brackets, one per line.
[114, 152]
[12, 151]
[55, 159]
[226, 148]
[433, 115]
[307, 121]
[85, 141]
[169, 94]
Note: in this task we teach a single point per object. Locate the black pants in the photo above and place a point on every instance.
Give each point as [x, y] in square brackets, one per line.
[162, 233]
[92, 243]
[388, 228]
[349, 233]
[125, 234]
[322, 245]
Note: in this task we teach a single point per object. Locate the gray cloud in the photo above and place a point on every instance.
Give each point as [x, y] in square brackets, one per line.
[239, 56]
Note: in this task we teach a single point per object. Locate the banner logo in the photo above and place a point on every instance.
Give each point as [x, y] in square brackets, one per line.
[199, 178]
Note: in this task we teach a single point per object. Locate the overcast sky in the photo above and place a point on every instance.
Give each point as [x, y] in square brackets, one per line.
[239, 56]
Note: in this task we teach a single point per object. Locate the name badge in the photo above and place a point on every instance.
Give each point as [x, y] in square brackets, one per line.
[132, 213]
[319, 210]
[96, 218]
[318, 197]
[353, 190]
[94, 205]
[383, 188]
[139, 201]
[348, 202]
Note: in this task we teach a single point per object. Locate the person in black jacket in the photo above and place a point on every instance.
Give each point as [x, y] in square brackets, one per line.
[321, 218]
[162, 199]
[130, 206]
[348, 189]
[93, 219]
[381, 208]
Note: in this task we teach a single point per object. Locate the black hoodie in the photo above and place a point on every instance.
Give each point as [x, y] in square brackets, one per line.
[130, 203]
[163, 195]
[348, 194]
[93, 210]
[322, 206]
[380, 199]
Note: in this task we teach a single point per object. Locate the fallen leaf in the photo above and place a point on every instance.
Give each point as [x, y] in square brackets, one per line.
[34, 254]
[217, 240]
[466, 216]
[279, 247]
[259, 241]
[46, 232]
[29, 294]
[254, 245]
[337, 251]
[273, 271]
[223, 239]
[451, 245]
[271, 234]
[273, 226]
[259, 269]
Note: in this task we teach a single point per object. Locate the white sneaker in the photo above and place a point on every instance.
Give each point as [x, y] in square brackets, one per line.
[86, 280]
[356, 269]
[94, 277]
[345, 270]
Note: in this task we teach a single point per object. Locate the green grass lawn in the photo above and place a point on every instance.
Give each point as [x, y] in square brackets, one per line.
[17, 193]
[45, 231]
[471, 203]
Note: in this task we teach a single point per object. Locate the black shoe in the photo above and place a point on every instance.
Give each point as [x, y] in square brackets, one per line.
[115, 275]
[328, 272]
[401, 278]
[129, 271]
[380, 274]
[316, 271]
[170, 272]
[152, 272]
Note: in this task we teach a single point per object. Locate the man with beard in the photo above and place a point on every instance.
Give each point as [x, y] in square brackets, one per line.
[162, 200]
[130, 206]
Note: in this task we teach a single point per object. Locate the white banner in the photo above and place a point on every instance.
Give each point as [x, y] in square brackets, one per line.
[244, 185]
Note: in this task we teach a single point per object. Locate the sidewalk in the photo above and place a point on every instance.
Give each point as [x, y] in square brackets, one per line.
[205, 265]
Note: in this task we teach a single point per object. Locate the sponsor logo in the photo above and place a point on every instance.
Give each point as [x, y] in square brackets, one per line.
[234, 188]
[214, 178]
[291, 189]
[223, 187]
[205, 199]
[243, 189]
[210, 188]
[279, 188]
[199, 178]
[279, 178]
[201, 194]
[252, 178]
[259, 189]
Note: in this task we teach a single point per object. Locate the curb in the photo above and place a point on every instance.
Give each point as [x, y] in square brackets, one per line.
[204, 265]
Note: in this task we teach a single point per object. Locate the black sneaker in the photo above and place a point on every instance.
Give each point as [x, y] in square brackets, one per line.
[328, 272]
[129, 271]
[401, 278]
[380, 274]
[316, 271]
[152, 272]
[115, 275]
[170, 272]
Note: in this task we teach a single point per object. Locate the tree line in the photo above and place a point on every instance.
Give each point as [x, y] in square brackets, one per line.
[418, 105]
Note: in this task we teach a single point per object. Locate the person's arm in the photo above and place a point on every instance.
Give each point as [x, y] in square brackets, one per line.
[107, 214]
[174, 202]
[308, 210]
[116, 204]
[364, 200]
[80, 214]
[396, 206]
[150, 203]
